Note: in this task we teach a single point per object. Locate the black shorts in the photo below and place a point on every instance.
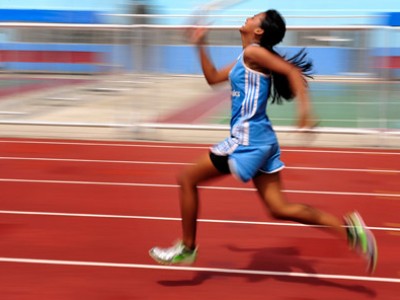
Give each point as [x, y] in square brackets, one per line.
[220, 163]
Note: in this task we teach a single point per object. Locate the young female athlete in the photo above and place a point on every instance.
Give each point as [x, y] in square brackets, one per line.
[252, 151]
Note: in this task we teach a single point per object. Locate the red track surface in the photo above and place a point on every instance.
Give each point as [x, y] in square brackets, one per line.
[77, 219]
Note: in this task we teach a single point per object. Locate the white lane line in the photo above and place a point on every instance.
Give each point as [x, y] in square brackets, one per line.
[137, 162]
[344, 170]
[94, 160]
[223, 188]
[108, 216]
[150, 145]
[340, 151]
[196, 269]
[185, 146]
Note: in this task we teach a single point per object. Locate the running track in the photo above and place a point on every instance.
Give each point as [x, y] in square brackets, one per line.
[78, 217]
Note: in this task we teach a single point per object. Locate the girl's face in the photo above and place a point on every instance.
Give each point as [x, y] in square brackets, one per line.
[253, 23]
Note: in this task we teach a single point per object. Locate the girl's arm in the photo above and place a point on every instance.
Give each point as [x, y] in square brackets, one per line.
[212, 75]
[275, 63]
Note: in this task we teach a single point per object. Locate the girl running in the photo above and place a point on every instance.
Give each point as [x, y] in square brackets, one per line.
[252, 152]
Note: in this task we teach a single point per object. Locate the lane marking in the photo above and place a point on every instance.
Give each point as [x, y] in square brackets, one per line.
[345, 169]
[196, 269]
[183, 146]
[94, 160]
[222, 188]
[184, 163]
[341, 152]
[387, 192]
[177, 146]
[108, 216]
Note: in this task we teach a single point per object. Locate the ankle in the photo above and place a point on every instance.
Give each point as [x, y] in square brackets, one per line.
[189, 247]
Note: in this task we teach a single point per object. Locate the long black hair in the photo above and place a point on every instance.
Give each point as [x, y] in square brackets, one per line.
[274, 27]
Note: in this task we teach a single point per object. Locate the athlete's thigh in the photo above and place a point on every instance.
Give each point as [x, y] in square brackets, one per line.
[269, 187]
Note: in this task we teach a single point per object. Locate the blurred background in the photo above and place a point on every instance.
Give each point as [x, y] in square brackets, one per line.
[109, 69]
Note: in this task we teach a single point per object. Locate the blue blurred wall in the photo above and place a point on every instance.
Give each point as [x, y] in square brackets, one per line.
[172, 63]
[298, 7]
[179, 5]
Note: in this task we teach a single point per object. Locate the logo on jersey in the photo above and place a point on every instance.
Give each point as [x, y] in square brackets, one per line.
[235, 93]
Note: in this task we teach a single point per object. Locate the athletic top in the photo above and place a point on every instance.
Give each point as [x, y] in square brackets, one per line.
[249, 123]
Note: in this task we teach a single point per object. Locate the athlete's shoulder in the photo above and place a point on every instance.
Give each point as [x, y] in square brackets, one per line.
[255, 52]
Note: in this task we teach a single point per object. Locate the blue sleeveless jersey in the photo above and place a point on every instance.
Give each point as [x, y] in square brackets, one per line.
[249, 123]
[252, 146]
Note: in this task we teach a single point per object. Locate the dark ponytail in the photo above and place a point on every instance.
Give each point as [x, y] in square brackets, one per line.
[274, 30]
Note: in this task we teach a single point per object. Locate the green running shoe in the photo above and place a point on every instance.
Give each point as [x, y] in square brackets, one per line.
[177, 254]
[362, 240]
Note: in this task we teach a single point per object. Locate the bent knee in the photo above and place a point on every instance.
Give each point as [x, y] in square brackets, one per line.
[281, 213]
[184, 180]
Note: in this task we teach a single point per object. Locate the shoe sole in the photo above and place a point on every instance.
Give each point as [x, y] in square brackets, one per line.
[373, 256]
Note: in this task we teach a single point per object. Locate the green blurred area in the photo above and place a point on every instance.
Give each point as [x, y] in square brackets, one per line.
[344, 105]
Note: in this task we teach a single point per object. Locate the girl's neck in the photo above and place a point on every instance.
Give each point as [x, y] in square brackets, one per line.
[246, 41]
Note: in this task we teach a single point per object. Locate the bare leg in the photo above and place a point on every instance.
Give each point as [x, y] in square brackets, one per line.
[270, 190]
[188, 181]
